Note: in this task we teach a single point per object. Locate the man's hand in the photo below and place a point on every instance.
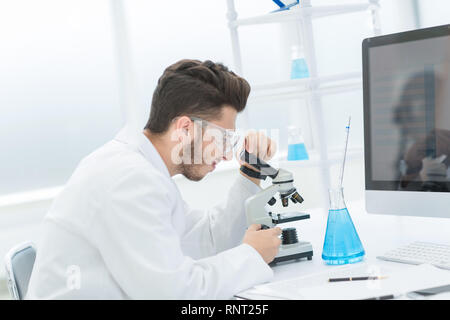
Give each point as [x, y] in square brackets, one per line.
[261, 146]
[266, 242]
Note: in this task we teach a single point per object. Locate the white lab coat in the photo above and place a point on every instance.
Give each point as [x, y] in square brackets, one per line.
[120, 230]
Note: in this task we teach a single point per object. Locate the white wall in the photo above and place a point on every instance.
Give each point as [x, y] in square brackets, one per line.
[434, 12]
[58, 94]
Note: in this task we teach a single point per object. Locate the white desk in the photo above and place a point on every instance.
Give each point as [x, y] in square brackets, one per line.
[378, 233]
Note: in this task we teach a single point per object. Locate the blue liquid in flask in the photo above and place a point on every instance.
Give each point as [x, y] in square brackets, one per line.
[342, 244]
[299, 69]
[297, 151]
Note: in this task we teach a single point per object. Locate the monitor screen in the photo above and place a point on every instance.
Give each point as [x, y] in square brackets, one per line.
[407, 110]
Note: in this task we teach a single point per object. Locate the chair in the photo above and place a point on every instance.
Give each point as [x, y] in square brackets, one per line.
[19, 263]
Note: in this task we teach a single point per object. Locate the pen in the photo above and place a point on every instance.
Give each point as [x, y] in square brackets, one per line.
[386, 297]
[356, 278]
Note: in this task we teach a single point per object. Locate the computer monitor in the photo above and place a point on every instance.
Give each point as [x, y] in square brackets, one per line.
[406, 89]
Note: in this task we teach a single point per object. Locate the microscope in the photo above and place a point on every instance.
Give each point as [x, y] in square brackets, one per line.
[255, 207]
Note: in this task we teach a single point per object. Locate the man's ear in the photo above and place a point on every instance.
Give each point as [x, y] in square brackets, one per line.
[183, 126]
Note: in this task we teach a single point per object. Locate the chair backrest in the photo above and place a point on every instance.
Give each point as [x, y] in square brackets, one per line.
[19, 263]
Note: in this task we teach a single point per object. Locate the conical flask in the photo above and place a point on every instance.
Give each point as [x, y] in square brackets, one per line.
[342, 244]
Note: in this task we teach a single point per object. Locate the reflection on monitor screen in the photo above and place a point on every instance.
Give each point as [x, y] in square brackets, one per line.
[409, 107]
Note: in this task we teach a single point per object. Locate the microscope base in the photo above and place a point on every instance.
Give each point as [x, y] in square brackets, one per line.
[292, 257]
[294, 251]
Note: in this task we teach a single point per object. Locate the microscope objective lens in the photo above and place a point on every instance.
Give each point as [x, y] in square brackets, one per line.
[297, 197]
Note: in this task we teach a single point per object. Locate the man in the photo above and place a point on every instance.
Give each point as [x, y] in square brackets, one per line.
[120, 228]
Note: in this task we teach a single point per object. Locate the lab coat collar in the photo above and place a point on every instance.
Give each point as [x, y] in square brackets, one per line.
[145, 146]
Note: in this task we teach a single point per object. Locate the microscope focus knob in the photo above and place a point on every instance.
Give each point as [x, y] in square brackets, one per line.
[289, 236]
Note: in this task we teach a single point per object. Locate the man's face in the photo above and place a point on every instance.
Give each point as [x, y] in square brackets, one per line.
[206, 149]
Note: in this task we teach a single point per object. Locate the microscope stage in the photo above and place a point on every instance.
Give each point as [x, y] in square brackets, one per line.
[288, 217]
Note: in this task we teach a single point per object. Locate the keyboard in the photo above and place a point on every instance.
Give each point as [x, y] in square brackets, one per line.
[419, 253]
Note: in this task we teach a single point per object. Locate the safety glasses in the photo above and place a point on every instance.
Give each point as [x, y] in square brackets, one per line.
[225, 139]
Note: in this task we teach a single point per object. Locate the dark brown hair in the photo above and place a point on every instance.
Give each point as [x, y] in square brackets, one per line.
[195, 88]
